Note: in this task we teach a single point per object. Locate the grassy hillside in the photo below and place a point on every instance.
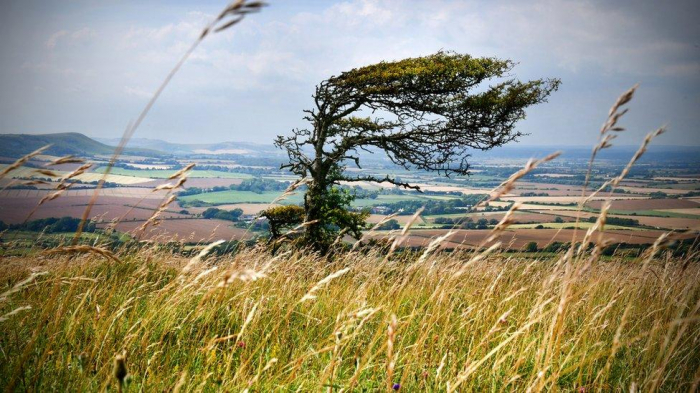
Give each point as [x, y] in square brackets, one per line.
[447, 322]
[17, 145]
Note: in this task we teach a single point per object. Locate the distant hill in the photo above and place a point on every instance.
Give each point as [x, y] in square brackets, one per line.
[236, 148]
[17, 145]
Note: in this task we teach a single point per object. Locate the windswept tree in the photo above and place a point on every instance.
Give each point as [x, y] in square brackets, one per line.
[424, 113]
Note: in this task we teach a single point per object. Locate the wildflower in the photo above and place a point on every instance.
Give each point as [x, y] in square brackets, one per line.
[396, 386]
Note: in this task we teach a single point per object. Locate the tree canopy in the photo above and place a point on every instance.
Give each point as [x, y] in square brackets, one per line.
[425, 113]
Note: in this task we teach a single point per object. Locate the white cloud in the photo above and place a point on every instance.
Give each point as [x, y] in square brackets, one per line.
[279, 55]
[51, 42]
[75, 36]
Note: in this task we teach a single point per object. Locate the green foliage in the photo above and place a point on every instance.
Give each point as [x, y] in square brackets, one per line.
[260, 185]
[230, 215]
[435, 206]
[282, 217]
[337, 218]
[435, 117]
[50, 225]
[389, 225]
[628, 222]
[530, 247]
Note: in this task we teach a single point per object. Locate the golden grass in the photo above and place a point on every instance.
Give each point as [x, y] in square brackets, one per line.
[455, 322]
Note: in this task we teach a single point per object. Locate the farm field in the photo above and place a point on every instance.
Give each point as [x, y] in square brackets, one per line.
[164, 174]
[647, 204]
[26, 172]
[233, 197]
[543, 202]
[185, 230]
[518, 238]
[350, 196]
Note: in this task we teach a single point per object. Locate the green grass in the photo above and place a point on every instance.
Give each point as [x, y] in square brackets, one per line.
[165, 173]
[306, 322]
[234, 196]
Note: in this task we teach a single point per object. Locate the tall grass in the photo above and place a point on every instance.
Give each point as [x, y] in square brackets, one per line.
[295, 321]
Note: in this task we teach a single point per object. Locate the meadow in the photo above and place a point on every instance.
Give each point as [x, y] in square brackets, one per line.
[147, 319]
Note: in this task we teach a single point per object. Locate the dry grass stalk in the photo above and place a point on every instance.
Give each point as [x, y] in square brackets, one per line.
[17, 287]
[311, 294]
[434, 244]
[291, 189]
[22, 160]
[82, 249]
[610, 125]
[14, 312]
[507, 186]
[181, 175]
[199, 257]
[182, 171]
[404, 232]
[239, 10]
[70, 159]
[638, 154]
[374, 228]
[79, 171]
[390, 360]
[46, 172]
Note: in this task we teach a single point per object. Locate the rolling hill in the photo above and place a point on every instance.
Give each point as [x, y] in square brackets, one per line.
[17, 145]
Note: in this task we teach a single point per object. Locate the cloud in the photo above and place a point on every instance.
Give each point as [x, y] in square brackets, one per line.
[75, 36]
[270, 63]
[51, 42]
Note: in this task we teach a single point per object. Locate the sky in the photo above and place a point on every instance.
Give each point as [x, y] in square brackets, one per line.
[90, 66]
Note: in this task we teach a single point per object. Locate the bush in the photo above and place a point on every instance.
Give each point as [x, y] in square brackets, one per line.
[390, 225]
[531, 247]
[229, 215]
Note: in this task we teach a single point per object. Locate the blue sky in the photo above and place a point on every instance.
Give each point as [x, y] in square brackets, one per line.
[89, 66]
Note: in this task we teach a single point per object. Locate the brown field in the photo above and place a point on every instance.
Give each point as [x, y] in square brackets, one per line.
[518, 239]
[16, 210]
[647, 204]
[660, 222]
[125, 192]
[567, 199]
[680, 177]
[646, 190]
[551, 189]
[634, 183]
[536, 207]
[188, 230]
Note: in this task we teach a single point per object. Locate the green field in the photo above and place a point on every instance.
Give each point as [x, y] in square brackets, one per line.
[165, 173]
[384, 199]
[648, 213]
[581, 225]
[234, 196]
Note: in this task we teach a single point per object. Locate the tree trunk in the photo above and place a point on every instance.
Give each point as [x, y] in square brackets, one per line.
[313, 202]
